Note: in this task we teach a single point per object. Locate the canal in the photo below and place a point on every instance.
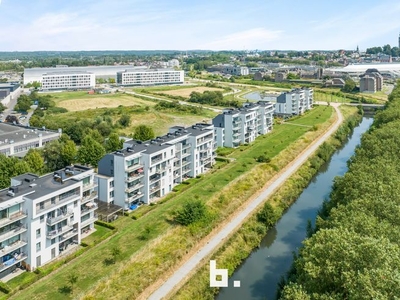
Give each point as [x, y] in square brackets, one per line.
[260, 273]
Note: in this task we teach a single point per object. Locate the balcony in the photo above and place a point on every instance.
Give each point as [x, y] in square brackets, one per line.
[60, 201]
[204, 140]
[156, 160]
[186, 146]
[134, 177]
[133, 187]
[51, 221]
[177, 175]
[15, 231]
[13, 261]
[133, 167]
[68, 235]
[176, 167]
[51, 234]
[89, 221]
[88, 207]
[15, 217]
[134, 197]
[185, 163]
[154, 189]
[92, 196]
[89, 186]
[12, 247]
[186, 154]
[154, 179]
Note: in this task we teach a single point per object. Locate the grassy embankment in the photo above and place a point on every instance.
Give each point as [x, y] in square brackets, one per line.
[152, 245]
[249, 236]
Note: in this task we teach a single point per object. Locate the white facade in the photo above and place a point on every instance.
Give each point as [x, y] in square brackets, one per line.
[41, 216]
[295, 102]
[150, 77]
[236, 70]
[242, 126]
[68, 80]
[146, 171]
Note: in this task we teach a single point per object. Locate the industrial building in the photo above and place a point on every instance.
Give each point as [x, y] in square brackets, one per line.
[150, 77]
[16, 140]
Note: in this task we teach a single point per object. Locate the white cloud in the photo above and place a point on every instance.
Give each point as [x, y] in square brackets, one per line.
[249, 39]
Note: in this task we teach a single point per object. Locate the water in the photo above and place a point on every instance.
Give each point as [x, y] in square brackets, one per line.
[260, 273]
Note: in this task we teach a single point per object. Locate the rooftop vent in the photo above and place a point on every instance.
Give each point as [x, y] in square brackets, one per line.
[129, 149]
[32, 185]
[10, 193]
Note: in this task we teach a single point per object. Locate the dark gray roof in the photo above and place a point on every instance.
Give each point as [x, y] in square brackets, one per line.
[219, 121]
[146, 147]
[38, 187]
[198, 129]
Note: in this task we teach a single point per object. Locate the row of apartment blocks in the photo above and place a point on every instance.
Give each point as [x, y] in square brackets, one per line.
[294, 102]
[40, 216]
[67, 80]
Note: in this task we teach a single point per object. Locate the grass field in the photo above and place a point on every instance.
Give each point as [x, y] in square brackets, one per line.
[186, 92]
[143, 260]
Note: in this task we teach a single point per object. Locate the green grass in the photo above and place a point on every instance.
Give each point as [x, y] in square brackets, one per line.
[100, 234]
[164, 88]
[129, 275]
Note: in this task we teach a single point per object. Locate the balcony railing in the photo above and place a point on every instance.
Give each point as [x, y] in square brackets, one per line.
[155, 188]
[134, 197]
[87, 209]
[51, 221]
[13, 261]
[89, 186]
[9, 234]
[92, 196]
[186, 154]
[133, 167]
[186, 146]
[15, 217]
[60, 201]
[53, 233]
[133, 187]
[11, 248]
[185, 163]
[155, 160]
[68, 234]
[89, 221]
[134, 177]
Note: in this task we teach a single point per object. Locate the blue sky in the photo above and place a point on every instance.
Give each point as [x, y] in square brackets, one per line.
[29, 25]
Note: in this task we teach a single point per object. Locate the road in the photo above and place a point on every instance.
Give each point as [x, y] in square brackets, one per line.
[217, 239]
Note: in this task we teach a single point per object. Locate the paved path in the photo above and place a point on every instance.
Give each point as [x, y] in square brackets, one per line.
[216, 240]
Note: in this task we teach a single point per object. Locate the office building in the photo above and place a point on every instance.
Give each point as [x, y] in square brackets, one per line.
[150, 77]
[41, 216]
[68, 80]
[242, 126]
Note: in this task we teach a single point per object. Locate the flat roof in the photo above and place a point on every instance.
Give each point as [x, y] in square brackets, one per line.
[148, 70]
[39, 186]
[67, 73]
[19, 133]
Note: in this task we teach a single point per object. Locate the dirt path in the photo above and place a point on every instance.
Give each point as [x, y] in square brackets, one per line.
[173, 280]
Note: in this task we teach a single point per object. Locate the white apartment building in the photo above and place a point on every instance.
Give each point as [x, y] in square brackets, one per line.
[242, 126]
[68, 80]
[40, 216]
[235, 70]
[146, 171]
[294, 102]
[150, 77]
[16, 140]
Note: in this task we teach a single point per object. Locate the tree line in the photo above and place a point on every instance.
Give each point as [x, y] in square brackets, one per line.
[212, 98]
[354, 251]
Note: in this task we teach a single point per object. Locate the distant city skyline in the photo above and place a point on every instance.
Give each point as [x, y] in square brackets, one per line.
[203, 25]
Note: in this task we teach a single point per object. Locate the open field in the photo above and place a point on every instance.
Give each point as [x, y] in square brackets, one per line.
[186, 92]
[99, 101]
[144, 258]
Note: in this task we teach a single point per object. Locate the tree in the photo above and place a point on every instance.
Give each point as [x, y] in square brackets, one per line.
[191, 212]
[90, 152]
[143, 133]
[293, 76]
[23, 103]
[349, 85]
[2, 107]
[51, 156]
[125, 120]
[35, 161]
[113, 143]
[68, 152]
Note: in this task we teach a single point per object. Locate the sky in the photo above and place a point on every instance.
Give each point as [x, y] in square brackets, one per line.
[69, 25]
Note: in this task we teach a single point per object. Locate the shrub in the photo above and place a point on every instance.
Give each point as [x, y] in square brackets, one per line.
[191, 212]
[105, 224]
[4, 288]
[263, 159]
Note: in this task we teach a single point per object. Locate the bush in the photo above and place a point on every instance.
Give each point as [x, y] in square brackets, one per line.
[191, 212]
[4, 288]
[105, 224]
[263, 159]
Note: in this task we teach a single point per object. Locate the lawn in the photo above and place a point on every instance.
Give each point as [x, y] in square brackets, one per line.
[186, 92]
[151, 245]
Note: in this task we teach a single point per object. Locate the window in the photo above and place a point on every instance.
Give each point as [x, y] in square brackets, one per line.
[41, 219]
[41, 205]
[111, 184]
[38, 233]
[53, 241]
[53, 200]
[38, 246]
[111, 194]
[75, 203]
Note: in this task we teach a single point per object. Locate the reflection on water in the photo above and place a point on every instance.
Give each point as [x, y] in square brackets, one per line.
[261, 271]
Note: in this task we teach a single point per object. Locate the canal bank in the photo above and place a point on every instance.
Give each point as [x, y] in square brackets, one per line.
[237, 248]
[261, 272]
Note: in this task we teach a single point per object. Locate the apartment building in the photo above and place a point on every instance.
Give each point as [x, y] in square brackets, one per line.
[68, 80]
[40, 216]
[240, 126]
[150, 77]
[16, 140]
[371, 81]
[294, 102]
[146, 171]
